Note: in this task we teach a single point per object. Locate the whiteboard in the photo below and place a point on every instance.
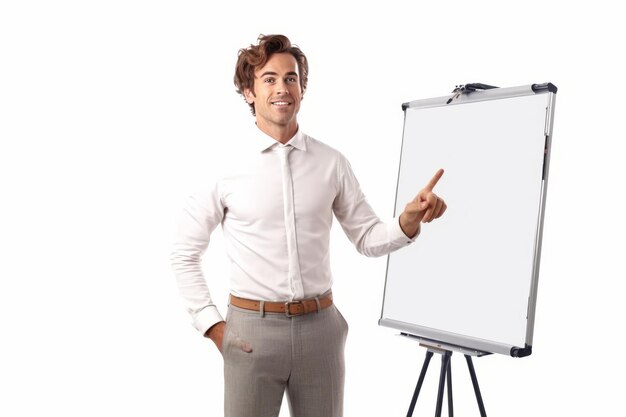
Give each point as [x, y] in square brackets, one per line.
[470, 279]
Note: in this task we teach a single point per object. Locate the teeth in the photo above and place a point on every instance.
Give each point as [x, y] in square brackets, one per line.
[281, 103]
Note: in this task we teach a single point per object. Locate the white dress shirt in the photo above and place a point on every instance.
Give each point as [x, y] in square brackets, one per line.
[275, 204]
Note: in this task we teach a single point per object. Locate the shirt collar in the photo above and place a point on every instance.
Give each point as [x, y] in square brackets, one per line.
[263, 141]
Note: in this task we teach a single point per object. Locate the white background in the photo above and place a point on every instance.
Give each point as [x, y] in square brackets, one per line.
[111, 111]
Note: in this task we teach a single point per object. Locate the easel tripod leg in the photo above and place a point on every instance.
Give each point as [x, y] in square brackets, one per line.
[429, 355]
[445, 363]
[479, 398]
[450, 408]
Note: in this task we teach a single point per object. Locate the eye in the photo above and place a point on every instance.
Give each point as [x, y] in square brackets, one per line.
[292, 80]
[268, 80]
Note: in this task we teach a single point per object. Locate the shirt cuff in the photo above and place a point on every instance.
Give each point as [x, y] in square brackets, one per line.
[206, 318]
[397, 235]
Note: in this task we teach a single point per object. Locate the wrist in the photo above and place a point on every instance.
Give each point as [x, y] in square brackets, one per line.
[214, 330]
[410, 227]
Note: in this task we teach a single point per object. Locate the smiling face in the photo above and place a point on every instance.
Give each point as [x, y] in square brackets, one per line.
[276, 96]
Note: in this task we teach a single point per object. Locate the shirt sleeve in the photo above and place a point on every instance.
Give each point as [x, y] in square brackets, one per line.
[370, 235]
[202, 213]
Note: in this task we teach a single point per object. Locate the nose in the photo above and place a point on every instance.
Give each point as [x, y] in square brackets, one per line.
[281, 87]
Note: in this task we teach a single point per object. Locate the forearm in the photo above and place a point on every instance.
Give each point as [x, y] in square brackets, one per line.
[382, 238]
[370, 235]
[199, 218]
[193, 290]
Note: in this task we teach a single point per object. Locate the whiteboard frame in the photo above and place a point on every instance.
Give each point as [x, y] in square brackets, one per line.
[463, 342]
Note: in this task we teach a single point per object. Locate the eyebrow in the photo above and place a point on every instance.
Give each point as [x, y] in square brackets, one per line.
[275, 73]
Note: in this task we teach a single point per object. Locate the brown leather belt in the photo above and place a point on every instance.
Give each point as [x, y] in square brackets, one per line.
[290, 308]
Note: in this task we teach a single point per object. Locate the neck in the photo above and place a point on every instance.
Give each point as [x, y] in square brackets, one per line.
[278, 132]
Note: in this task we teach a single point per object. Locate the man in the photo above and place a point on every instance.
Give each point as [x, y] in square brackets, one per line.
[275, 205]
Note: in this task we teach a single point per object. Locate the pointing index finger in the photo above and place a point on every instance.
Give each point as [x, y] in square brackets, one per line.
[433, 181]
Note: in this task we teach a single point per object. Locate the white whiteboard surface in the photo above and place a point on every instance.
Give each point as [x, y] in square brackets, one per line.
[468, 280]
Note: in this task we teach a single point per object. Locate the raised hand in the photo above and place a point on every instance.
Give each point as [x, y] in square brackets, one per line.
[424, 208]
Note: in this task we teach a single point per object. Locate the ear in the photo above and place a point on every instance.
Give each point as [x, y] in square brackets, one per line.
[249, 95]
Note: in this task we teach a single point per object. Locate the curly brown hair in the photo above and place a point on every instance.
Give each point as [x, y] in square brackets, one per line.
[256, 56]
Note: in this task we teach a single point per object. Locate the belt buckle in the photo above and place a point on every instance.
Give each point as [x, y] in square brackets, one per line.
[287, 304]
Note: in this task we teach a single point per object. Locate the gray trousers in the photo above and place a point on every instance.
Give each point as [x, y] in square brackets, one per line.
[303, 355]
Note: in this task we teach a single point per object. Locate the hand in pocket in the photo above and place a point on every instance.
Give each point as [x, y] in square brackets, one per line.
[242, 344]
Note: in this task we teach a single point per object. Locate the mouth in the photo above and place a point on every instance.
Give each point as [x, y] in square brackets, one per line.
[281, 103]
